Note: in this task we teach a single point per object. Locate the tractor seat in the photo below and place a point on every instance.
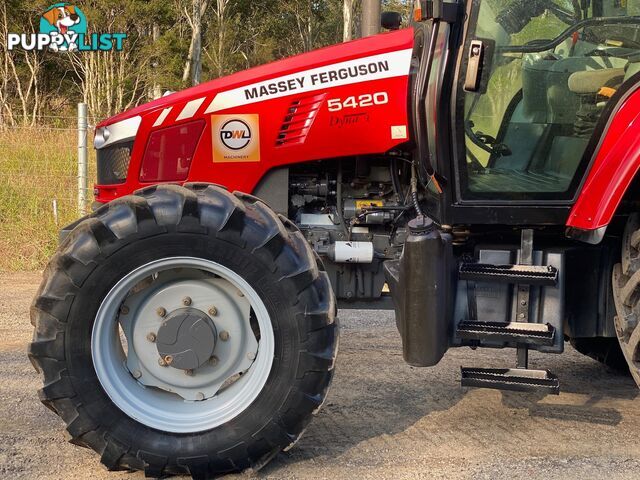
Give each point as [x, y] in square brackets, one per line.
[591, 81]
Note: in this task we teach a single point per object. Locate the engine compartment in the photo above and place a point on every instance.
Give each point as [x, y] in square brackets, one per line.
[354, 214]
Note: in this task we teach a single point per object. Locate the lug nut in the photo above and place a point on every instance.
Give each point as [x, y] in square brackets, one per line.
[168, 359]
[189, 373]
[240, 294]
[161, 362]
[124, 310]
[162, 312]
[137, 374]
[186, 301]
[213, 311]
[213, 361]
[200, 396]
[251, 356]
[224, 335]
[151, 337]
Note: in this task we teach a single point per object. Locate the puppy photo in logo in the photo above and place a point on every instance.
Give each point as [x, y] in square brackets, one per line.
[66, 21]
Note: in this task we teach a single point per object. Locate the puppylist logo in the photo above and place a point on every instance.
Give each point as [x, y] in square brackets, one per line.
[63, 28]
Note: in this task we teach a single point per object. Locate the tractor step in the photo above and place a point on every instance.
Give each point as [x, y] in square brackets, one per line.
[513, 332]
[539, 275]
[514, 379]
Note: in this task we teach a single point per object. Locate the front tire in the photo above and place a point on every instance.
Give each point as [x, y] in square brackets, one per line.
[197, 233]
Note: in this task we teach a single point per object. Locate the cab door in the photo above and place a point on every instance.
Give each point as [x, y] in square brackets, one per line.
[535, 82]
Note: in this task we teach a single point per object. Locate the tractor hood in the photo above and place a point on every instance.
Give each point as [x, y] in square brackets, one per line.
[344, 100]
[345, 52]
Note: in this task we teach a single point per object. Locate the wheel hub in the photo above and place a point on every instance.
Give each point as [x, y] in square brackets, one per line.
[159, 310]
[186, 339]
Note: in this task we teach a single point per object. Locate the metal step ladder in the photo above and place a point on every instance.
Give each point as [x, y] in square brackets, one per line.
[521, 332]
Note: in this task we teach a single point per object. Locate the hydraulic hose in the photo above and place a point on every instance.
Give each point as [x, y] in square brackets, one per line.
[414, 191]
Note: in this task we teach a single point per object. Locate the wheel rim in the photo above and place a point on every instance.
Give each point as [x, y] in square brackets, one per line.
[199, 299]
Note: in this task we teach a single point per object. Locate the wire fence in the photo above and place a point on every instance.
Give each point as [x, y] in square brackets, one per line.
[39, 181]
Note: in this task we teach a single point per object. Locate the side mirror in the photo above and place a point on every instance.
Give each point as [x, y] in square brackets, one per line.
[391, 20]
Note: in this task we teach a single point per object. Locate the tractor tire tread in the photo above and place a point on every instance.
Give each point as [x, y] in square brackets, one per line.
[626, 292]
[204, 209]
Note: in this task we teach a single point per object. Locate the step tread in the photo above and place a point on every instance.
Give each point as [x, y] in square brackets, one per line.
[521, 332]
[513, 379]
[544, 275]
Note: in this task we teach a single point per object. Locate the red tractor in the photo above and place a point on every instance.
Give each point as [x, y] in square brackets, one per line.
[477, 172]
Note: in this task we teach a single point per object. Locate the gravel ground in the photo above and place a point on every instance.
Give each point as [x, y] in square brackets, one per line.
[383, 419]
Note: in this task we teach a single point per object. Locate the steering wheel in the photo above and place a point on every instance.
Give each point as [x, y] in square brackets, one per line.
[519, 14]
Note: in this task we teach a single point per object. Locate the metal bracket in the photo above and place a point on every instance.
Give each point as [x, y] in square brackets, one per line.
[439, 10]
[523, 297]
[474, 66]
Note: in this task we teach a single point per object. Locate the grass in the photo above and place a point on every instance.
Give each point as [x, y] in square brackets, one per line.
[37, 168]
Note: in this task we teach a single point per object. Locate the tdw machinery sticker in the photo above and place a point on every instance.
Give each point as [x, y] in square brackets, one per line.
[236, 138]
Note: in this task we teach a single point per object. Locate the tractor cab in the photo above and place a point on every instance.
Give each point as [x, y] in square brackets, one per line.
[525, 144]
[530, 86]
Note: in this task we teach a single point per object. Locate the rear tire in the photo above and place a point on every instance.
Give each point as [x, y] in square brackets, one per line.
[626, 294]
[204, 222]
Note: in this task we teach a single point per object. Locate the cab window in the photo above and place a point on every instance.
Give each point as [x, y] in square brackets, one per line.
[550, 70]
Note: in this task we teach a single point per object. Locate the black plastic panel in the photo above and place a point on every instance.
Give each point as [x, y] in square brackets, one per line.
[113, 163]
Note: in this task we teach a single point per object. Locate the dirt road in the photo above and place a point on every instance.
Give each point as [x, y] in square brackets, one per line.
[383, 419]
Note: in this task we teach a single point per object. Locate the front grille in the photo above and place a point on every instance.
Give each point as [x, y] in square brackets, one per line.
[113, 163]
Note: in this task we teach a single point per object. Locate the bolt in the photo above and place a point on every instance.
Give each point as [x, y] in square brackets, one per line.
[137, 374]
[168, 359]
[124, 310]
[162, 312]
[522, 315]
[186, 301]
[151, 337]
[213, 311]
[251, 356]
[224, 335]
[200, 396]
[523, 303]
[161, 362]
[189, 373]
[214, 361]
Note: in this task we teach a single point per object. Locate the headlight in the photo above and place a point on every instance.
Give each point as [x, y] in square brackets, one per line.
[123, 131]
[101, 137]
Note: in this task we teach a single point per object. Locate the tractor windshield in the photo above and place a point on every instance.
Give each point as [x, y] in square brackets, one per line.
[550, 69]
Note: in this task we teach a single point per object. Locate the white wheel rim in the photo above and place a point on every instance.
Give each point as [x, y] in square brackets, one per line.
[157, 408]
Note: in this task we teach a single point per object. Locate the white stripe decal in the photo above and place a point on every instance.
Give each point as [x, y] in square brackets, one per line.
[376, 67]
[163, 116]
[190, 109]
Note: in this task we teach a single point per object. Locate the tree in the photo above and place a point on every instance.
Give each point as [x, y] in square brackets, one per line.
[20, 72]
[170, 44]
[193, 67]
[347, 17]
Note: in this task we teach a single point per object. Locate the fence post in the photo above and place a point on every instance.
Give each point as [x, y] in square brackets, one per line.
[83, 156]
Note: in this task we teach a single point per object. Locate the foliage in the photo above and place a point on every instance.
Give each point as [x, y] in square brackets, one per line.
[236, 34]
